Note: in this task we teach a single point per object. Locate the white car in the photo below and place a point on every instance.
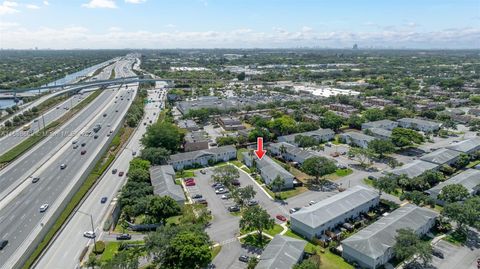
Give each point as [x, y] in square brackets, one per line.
[63, 166]
[89, 234]
[312, 202]
[43, 208]
[225, 196]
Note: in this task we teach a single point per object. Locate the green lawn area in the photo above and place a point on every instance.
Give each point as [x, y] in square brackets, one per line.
[329, 260]
[185, 173]
[112, 247]
[252, 240]
[472, 164]
[246, 169]
[175, 220]
[368, 181]
[237, 163]
[215, 251]
[239, 153]
[456, 238]
[299, 174]
[286, 194]
[275, 230]
[343, 172]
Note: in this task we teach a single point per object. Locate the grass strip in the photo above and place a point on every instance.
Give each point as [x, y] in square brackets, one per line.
[25, 145]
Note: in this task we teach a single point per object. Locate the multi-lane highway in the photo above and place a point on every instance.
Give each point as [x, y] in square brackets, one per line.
[63, 254]
[14, 138]
[20, 218]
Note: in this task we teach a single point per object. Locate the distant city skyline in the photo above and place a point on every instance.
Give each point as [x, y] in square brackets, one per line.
[117, 24]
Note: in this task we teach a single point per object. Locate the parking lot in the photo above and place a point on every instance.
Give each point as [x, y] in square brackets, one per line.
[458, 257]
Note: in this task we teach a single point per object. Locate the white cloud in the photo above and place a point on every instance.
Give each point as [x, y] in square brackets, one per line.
[8, 7]
[135, 1]
[100, 4]
[46, 3]
[32, 6]
[116, 38]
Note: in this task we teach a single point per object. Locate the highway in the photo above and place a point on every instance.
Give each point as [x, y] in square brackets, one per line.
[14, 138]
[19, 218]
[20, 199]
[63, 254]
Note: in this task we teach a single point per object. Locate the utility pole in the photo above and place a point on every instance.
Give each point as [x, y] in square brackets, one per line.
[93, 229]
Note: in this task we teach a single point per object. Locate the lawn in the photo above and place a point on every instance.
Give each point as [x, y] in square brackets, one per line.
[329, 260]
[237, 163]
[175, 220]
[456, 238]
[111, 248]
[284, 195]
[239, 153]
[252, 240]
[343, 172]
[215, 251]
[275, 230]
[299, 174]
[246, 169]
[185, 173]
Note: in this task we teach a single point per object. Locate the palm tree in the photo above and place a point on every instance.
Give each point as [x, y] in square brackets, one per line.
[277, 184]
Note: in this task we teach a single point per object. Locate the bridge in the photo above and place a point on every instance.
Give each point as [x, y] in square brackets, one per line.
[82, 85]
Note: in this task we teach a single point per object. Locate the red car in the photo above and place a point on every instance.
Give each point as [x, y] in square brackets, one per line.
[190, 183]
[120, 174]
[83, 152]
[281, 218]
[189, 179]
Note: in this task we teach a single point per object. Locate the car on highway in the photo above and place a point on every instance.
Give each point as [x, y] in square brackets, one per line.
[43, 207]
[120, 174]
[243, 258]
[3, 244]
[63, 166]
[281, 218]
[75, 146]
[312, 202]
[114, 171]
[124, 237]
[89, 234]
[83, 144]
[103, 200]
[95, 136]
[74, 142]
[83, 152]
[35, 179]
[104, 114]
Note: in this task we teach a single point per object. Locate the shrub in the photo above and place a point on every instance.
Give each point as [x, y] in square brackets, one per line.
[99, 247]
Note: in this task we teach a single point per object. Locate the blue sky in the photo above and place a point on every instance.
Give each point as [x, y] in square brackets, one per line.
[239, 23]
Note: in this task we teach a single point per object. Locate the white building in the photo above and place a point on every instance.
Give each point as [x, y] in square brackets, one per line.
[321, 135]
[282, 252]
[356, 139]
[290, 152]
[470, 179]
[373, 246]
[419, 125]
[381, 124]
[269, 169]
[202, 157]
[325, 215]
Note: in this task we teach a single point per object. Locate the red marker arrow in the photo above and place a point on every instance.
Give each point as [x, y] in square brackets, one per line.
[260, 152]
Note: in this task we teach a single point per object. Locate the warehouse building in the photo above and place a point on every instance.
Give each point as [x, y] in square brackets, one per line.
[325, 215]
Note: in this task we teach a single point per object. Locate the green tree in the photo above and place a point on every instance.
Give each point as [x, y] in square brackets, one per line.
[307, 264]
[139, 175]
[331, 120]
[252, 262]
[241, 76]
[453, 193]
[257, 219]
[246, 194]
[156, 156]
[277, 184]
[162, 207]
[363, 155]
[226, 174]
[381, 147]
[402, 137]
[356, 122]
[163, 135]
[318, 167]
[462, 161]
[305, 141]
[283, 125]
[92, 261]
[408, 244]
[374, 114]
[226, 140]
[386, 184]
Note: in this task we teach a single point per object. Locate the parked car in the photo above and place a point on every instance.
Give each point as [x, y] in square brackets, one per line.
[244, 258]
[295, 209]
[124, 237]
[201, 201]
[219, 185]
[197, 196]
[43, 207]
[437, 253]
[120, 174]
[234, 208]
[114, 171]
[188, 179]
[190, 183]
[103, 200]
[83, 144]
[75, 146]
[203, 171]
[83, 152]
[252, 202]
[281, 218]
[372, 177]
[226, 196]
[3, 244]
[95, 136]
[221, 191]
[236, 182]
[89, 234]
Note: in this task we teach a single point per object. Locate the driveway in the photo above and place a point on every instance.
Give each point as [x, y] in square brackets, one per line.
[458, 257]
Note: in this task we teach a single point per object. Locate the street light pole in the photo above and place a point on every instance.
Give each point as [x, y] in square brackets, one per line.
[93, 229]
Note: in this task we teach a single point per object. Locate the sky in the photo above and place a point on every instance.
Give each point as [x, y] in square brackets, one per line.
[158, 24]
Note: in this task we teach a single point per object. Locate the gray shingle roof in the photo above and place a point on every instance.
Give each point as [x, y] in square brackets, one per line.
[420, 122]
[282, 252]
[440, 156]
[163, 182]
[317, 133]
[470, 179]
[414, 168]
[374, 240]
[359, 136]
[268, 166]
[334, 206]
[198, 153]
[294, 150]
[466, 145]
[379, 124]
[380, 132]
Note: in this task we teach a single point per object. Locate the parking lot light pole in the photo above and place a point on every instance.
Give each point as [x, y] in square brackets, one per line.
[93, 229]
